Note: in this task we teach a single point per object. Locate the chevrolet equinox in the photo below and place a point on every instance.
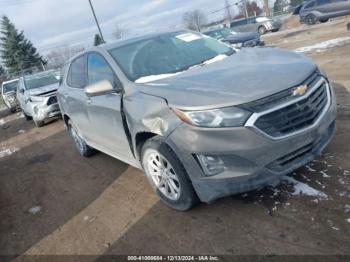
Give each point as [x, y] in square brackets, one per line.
[201, 119]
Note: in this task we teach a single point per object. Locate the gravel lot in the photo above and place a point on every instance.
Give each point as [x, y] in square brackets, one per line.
[52, 201]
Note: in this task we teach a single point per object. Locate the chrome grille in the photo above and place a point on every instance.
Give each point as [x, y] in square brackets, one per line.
[295, 116]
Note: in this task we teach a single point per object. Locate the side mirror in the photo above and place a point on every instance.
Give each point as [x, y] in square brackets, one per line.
[99, 88]
[21, 90]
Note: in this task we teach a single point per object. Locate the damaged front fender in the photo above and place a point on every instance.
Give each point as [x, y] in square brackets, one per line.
[148, 114]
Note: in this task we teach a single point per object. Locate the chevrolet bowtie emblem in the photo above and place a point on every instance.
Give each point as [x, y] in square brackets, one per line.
[300, 90]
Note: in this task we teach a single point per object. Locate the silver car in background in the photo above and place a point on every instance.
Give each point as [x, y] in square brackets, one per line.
[8, 93]
[322, 10]
[202, 120]
[260, 24]
[37, 98]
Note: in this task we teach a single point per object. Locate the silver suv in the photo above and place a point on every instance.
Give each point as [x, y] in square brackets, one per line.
[202, 120]
[37, 98]
[259, 24]
[322, 10]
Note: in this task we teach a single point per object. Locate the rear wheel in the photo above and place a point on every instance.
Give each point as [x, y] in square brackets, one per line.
[311, 19]
[167, 175]
[79, 142]
[262, 30]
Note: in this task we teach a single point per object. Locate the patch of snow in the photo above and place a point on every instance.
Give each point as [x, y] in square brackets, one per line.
[146, 79]
[348, 220]
[34, 210]
[320, 47]
[310, 169]
[347, 208]
[335, 228]
[304, 189]
[324, 174]
[8, 152]
[21, 131]
[2, 121]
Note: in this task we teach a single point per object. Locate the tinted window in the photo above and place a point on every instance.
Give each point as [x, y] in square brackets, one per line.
[10, 87]
[99, 69]
[309, 5]
[251, 20]
[167, 54]
[239, 23]
[323, 2]
[77, 73]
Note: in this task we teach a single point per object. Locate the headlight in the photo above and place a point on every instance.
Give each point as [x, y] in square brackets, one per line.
[223, 117]
[36, 98]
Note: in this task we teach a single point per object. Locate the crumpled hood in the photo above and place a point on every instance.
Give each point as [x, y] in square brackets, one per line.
[42, 90]
[245, 76]
[241, 37]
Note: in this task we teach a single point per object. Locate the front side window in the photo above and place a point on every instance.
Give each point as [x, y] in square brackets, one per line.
[41, 79]
[77, 73]
[323, 2]
[10, 87]
[309, 5]
[167, 54]
[99, 69]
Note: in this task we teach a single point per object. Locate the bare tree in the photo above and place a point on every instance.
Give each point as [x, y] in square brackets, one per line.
[57, 58]
[194, 20]
[267, 8]
[119, 31]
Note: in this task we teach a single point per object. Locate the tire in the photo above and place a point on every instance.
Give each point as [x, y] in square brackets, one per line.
[80, 144]
[262, 30]
[12, 110]
[324, 20]
[310, 19]
[171, 183]
[39, 123]
[26, 116]
[275, 30]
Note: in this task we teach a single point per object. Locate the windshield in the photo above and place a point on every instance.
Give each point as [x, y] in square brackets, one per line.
[10, 87]
[41, 79]
[167, 54]
[221, 33]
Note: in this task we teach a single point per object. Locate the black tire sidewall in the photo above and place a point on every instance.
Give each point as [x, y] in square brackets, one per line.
[188, 197]
[262, 30]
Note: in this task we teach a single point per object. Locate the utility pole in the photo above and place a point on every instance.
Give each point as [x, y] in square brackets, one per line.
[267, 8]
[98, 26]
[245, 8]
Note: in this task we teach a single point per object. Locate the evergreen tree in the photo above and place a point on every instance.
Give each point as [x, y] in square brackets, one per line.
[2, 71]
[98, 40]
[17, 53]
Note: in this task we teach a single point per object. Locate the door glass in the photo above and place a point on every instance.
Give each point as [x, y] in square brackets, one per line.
[99, 69]
[323, 2]
[77, 73]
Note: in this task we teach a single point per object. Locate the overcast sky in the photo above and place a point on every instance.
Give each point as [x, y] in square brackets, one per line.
[54, 23]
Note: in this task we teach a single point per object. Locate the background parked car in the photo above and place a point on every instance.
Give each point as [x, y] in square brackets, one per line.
[8, 92]
[259, 24]
[322, 10]
[37, 96]
[238, 40]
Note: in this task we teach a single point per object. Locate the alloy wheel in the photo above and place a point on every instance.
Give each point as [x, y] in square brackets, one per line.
[162, 174]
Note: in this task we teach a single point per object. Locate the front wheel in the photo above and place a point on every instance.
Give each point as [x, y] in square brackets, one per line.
[311, 19]
[167, 175]
[26, 116]
[262, 30]
[39, 123]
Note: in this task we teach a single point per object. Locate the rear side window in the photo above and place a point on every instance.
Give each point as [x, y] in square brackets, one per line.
[77, 73]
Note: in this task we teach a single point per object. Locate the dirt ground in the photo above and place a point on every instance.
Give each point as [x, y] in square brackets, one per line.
[52, 201]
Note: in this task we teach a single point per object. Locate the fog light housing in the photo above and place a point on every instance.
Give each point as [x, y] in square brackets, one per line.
[212, 165]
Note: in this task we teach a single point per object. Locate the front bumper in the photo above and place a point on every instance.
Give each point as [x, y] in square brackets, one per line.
[42, 111]
[250, 157]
